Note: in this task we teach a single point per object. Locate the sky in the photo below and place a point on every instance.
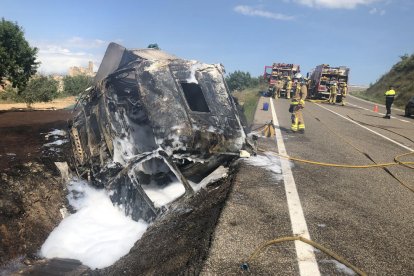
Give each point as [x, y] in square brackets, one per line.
[369, 36]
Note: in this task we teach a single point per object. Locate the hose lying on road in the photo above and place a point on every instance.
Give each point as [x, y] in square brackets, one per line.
[406, 164]
[245, 265]
[397, 162]
[380, 127]
[396, 159]
[317, 101]
[383, 165]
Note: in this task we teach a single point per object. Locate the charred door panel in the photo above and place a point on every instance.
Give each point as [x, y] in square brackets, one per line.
[164, 105]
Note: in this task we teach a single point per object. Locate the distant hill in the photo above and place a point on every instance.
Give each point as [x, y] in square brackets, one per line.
[401, 76]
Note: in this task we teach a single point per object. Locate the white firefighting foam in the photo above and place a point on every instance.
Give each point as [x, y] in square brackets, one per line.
[98, 234]
[162, 196]
[195, 66]
[340, 267]
[268, 162]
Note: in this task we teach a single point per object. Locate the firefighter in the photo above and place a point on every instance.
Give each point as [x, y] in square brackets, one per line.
[344, 91]
[279, 85]
[308, 83]
[288, 87]
[297, 104]
[333, 89]
[297, 86]
[389, 99]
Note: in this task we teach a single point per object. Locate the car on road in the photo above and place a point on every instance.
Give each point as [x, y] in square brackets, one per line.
[409, 108]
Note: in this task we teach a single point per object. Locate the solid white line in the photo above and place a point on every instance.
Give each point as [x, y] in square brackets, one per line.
[306, 258]
[377, 112]
[373, 131]
[362, 100]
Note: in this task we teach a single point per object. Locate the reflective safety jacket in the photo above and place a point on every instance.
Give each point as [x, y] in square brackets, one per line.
[390, 93]
[343, 90]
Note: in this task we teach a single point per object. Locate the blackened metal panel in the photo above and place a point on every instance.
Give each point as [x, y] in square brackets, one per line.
[165, 107]
[218, 130]
[115, 57]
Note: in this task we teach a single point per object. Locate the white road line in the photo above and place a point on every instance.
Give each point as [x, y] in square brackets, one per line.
[405, 121]
[306, 258]
[373, 131]
[362, 100]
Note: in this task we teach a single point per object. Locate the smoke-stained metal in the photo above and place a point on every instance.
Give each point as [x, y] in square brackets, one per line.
[153, 121]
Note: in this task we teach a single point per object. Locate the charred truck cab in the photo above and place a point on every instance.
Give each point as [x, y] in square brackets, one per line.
[152, 127]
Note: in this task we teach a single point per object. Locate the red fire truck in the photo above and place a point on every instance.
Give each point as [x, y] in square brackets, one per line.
[281, 71]
[323, 76]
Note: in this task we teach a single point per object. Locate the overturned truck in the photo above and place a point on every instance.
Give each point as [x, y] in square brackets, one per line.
[152, 127]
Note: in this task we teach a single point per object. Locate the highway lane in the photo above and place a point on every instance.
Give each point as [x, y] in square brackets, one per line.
[365, 215]
[397, 114]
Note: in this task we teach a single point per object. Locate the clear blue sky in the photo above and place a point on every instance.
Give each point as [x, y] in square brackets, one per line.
[366, 35]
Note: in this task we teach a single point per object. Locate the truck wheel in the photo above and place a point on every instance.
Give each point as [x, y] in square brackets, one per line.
[407, 114]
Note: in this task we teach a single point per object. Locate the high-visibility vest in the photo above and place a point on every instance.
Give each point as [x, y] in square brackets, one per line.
[390, 93]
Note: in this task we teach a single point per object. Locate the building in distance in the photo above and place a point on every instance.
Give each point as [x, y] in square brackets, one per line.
[87, 71]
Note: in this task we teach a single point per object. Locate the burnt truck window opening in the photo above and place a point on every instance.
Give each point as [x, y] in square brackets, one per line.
[194, 97]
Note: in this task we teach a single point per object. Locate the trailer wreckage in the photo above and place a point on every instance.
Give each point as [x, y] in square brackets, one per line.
[152, 127]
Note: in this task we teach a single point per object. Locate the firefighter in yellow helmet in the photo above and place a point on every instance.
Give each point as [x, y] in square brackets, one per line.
[297, 104]
[334, 91]
[288, 87]
[344, 91]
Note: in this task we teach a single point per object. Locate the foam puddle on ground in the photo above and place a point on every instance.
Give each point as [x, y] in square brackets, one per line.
[98, 234]
[340, 267]
[269, 162]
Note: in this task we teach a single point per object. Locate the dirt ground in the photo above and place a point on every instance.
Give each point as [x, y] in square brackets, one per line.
[53, 105]
[32, 194]
[31, 191]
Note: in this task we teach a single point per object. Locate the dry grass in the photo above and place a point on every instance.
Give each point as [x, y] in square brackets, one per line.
[60, 103]
[248, 99]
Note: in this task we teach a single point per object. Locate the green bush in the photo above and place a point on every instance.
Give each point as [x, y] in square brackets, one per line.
[75, 85]
[39, 89]
[9, 94]
[239, 80]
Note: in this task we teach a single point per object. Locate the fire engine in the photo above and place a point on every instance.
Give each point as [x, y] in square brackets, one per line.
[323, 76]
[282, 71]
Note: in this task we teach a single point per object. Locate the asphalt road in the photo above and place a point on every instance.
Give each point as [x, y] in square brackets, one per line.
[364, 215]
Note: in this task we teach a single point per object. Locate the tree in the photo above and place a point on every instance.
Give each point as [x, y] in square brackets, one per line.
[17, 58]
[154, 46]
[76, 84]
[239, 80]
[9, 94]
[40, 89]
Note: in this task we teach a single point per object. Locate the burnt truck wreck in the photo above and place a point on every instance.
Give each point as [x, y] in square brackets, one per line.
[152, 127]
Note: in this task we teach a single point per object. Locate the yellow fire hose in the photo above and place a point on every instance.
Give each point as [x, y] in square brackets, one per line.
[406, 164]
[397, 161]
[245, 265]
[317, 101]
